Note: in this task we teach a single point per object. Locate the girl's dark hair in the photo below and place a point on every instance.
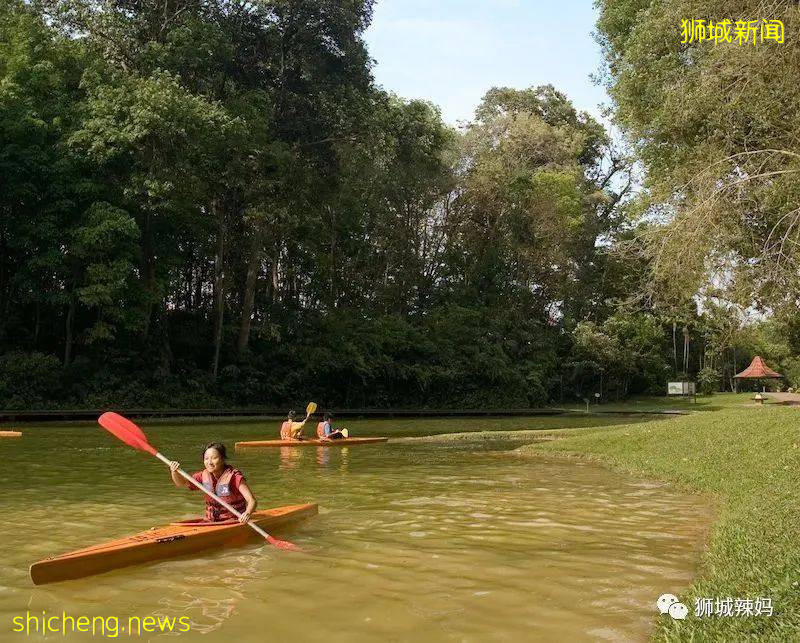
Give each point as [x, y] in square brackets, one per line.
[290, 415]
[326, 417]
[218, 446]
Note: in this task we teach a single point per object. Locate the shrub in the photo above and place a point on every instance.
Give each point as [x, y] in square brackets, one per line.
[29, 380]
[708, 380]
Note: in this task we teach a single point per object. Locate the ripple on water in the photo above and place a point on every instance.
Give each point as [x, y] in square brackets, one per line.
[412, 541]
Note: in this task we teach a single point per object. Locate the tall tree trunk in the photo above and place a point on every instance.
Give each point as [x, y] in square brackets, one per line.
[148, 272]
[4, 294]
[69, 330]
[199, 278]
[188, 276]
[674, 348]
[219, 298]
[165, 348]
[253, 268]
[686, 351]
[37, 326]
[332, 291]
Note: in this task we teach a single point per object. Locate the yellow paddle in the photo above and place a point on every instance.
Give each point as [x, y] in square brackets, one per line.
[296, 429]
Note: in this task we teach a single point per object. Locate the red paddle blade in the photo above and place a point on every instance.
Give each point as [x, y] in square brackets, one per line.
[283, 544]
[125, 430]
[124, 422]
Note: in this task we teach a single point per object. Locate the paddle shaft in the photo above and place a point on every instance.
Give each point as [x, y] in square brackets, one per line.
[190, 479]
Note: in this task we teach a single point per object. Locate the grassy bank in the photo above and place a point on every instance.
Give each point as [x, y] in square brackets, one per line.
[521, 436]
[662, 403]
[749, 458]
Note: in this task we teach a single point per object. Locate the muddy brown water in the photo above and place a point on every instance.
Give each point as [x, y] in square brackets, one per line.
[430, 542]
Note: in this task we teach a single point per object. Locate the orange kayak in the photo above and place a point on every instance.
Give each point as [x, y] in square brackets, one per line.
[10, 434]
[344, 442]
[158, 543]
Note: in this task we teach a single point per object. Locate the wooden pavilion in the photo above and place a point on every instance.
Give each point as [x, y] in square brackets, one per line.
[757, 370]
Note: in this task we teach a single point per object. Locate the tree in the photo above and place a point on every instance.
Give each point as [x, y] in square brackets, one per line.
[625, 350]
[42, 188]
[534, 200]
[714, 126]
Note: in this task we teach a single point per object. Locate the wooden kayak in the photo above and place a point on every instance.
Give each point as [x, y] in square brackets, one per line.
[10, 434]
[158, 543]
[343, 442]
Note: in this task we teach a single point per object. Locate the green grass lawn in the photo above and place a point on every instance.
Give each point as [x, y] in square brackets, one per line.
[652, 403]
[749, 458]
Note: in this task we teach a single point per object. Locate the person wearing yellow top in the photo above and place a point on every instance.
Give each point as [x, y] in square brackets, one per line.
[291, 430]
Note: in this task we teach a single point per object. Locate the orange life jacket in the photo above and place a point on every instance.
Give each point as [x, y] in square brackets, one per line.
[215, 512]
[286, 430]
[321, 430]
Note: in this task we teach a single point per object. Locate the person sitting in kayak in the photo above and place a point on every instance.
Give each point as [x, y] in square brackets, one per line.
[291, 430]
[325, 430]
[224, 480]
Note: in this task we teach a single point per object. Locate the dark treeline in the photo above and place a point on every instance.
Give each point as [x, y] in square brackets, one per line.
[206, 202]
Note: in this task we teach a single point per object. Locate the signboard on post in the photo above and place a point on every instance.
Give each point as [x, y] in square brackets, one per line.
[680, 388]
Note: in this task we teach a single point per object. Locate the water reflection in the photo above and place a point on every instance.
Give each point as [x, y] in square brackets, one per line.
[290, 457]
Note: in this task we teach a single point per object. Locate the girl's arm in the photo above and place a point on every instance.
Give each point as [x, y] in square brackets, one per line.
[251, 501]
[176, 478]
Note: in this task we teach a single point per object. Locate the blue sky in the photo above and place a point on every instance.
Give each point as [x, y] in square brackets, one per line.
[451, 52]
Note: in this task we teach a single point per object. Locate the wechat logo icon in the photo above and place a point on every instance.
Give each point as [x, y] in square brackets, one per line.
[669, 604]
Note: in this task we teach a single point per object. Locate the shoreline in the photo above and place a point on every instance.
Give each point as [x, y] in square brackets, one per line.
[742, 459]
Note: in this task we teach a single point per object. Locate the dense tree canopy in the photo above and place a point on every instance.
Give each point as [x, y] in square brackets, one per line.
[211, 203]
[716, 125]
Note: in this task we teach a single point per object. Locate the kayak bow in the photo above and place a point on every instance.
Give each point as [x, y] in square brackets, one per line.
[10, 434]
[158, 543]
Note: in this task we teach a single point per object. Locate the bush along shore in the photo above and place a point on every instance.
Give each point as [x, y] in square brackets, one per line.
[749, 459]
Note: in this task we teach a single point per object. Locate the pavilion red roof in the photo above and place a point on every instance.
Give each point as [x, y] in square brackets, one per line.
[757, 369]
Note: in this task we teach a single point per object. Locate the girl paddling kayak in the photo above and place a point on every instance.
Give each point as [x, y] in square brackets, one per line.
[222, 479]
[325, 430]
